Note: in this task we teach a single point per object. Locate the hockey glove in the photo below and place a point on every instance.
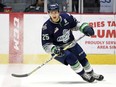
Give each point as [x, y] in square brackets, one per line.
[86, 29]
[57, 50]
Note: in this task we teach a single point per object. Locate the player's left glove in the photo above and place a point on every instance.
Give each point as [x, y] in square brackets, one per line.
[86, 29]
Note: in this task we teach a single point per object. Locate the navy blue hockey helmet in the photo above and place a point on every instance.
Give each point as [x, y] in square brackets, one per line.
[52, 7]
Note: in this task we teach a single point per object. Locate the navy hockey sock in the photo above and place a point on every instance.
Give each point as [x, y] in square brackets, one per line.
[77, 67]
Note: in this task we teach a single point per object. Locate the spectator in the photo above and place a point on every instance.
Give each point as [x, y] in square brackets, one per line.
[92, 6]
[2, 7]
[75, 4]
[62, 3]
[38, 6]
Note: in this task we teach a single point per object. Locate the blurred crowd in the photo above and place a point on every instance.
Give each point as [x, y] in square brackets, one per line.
[2, 6]
[37, 6]
[89, 6]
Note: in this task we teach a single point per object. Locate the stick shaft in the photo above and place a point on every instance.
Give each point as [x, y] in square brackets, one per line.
[54, 56]
[25, 75]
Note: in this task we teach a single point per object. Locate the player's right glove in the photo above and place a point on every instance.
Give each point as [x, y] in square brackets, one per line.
[57, 50]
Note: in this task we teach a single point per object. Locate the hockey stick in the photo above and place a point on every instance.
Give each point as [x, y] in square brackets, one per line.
[25, 75]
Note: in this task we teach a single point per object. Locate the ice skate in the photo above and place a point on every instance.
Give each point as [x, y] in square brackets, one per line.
[87, 77]
[96, 76]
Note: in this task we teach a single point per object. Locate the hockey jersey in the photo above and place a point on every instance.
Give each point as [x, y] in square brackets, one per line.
[58, 33]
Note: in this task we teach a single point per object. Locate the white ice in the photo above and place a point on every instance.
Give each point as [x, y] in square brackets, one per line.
[53, 76]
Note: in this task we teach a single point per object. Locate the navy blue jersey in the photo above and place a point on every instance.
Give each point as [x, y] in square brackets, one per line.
[58, 33]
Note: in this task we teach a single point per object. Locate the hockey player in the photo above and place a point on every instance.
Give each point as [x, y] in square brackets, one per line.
[57, 34]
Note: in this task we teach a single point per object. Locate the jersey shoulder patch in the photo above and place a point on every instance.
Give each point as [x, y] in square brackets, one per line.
[44, 27]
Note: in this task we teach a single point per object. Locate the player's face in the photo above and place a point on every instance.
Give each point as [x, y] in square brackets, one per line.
[54, 15]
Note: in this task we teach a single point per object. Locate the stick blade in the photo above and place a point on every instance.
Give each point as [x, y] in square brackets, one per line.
[23, 75]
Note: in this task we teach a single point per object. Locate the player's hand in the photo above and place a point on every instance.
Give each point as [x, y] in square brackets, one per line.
[88, 31]
[57, 50]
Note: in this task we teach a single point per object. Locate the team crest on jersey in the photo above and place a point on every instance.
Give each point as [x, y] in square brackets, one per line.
[66, 22]
[56, 29]
[65, 37]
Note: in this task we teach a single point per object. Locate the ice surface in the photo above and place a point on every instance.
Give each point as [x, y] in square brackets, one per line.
[53, 76]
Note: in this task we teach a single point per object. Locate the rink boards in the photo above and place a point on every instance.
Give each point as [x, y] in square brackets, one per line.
[20, 38]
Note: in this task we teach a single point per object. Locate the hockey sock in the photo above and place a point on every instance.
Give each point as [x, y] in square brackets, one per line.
[88, 68]
[78, 68]
[86, 65]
